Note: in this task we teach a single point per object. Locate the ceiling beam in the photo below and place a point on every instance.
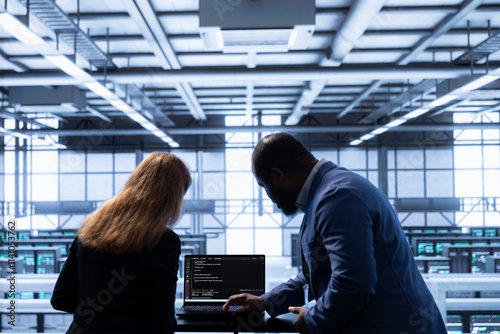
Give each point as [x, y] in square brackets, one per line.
[291, 129]
[354, 25]
[14, 65]
[422, 45]
[243, 75]
[373, 87]
[146, 18]
[407, 97]
[468, 7]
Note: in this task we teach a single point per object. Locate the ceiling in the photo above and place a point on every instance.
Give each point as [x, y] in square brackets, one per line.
[367, 63]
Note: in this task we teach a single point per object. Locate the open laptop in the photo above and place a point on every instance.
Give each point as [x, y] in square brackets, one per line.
[209, 280]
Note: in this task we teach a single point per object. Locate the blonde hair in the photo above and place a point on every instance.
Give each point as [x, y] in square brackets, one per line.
[138, 216]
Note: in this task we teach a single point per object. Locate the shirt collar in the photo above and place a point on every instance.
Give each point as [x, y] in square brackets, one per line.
[301, 201]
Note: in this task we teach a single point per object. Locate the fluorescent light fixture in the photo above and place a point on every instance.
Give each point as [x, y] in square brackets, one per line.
[355, 142]
[219, 39]
[415, 113]
[151, 127]
[293, 38]
[395, 123]
[158, 133]
[479, 82]
[122, 106]
[100, 90]
[172, 143]
[292, 120]
[69, 67]
[139, 119]
[368, 136]
[442, 100]
[380, 130]
[19, 30]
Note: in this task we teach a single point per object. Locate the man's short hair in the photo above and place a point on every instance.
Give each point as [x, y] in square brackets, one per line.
[282, 151]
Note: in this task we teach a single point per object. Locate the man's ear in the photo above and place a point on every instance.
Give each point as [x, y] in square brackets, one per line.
[278, 178]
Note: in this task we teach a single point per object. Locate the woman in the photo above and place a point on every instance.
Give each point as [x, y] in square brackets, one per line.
[121, 271]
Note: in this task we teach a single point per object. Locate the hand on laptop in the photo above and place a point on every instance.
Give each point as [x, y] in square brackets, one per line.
[250, 303]
[299, 323]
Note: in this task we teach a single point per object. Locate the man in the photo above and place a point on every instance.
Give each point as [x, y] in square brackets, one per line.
[356, 262]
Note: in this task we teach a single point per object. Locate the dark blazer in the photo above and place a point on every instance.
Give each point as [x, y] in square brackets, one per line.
[130, 293]
[358, 264]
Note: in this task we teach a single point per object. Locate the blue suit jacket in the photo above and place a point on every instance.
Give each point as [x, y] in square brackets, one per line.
[358, 264]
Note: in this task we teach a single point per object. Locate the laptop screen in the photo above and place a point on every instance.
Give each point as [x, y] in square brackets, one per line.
[214, 278]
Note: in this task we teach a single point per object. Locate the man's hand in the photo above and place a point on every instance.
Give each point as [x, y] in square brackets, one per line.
[249, 302]
[299, 323]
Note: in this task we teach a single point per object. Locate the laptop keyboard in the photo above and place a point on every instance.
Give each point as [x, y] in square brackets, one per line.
[210, 308]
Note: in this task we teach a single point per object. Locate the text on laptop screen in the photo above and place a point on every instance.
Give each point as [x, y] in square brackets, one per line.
[216, 278]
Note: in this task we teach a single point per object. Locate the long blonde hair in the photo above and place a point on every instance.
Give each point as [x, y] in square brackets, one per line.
[137, 217]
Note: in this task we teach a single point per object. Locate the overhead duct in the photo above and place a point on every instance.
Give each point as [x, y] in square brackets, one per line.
[256, 26]
[144, 77]
[47, 99]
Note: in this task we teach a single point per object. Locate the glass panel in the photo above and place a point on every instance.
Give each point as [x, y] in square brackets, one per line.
[9, 188]
[437, 219]
[330, 155]
[469, 218]
[267, 220]
[353, 158]
[45, 161]
[72, 187]
[439, 183]
[239, 185]
[99, 187]
[71, 162]
[239, 241]
[213, 161]
[492, 183]
[100, 162]
[468, 156]
[239, 219]
[238, 159]
[410, 159]
[124, 162]
[373, 159]
[373, 177]
[120, 180]
[491, 135]
[362, 173]
[44, 188]
[439, 158]
[10, 164]
[411, 184]
[2, 162]
[468, 183]
[391, 184]
[391, 160]
[272, 120]
[413, 219]
[268, 241]
[492, 219]
[189, 159]
[44, 222]
[491, 156]
[463, 135]
[213, 186]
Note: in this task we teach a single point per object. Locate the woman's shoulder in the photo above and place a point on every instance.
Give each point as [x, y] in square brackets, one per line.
[170, 239]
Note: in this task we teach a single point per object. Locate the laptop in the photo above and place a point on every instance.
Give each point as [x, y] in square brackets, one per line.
[209, 280]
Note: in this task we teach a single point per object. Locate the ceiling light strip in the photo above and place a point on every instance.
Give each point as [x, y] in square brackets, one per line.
[451, 96]
[27, 36]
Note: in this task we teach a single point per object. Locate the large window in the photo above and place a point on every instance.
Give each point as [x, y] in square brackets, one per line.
[245, 220]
